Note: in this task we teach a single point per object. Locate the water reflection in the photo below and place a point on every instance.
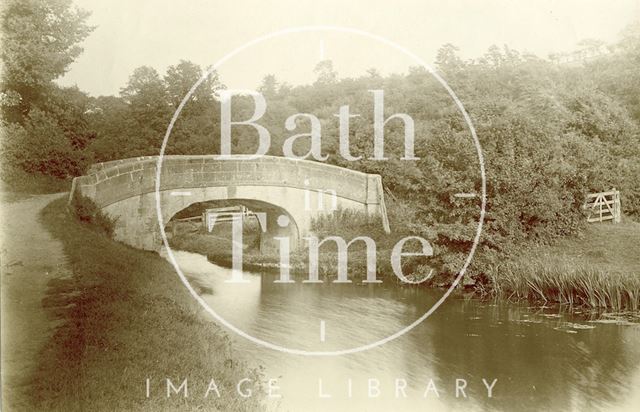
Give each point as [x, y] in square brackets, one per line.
[541, 360]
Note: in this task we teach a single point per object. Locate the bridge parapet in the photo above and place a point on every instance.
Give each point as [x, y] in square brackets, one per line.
[110, 182]
[125, 189]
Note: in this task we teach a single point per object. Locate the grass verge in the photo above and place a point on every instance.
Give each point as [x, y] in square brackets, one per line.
[126, 317]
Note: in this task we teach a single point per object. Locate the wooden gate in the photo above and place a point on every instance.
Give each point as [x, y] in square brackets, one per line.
[603, 206]
[223, 214]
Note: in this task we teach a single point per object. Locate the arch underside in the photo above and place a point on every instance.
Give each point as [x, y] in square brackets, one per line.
[267, 216]
[137, 218]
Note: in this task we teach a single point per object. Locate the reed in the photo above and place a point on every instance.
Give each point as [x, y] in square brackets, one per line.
[554, 279]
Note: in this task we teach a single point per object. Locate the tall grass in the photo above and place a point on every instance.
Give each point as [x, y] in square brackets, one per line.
[345, 223]
[550, 279]
[349, 223]
[87, 211]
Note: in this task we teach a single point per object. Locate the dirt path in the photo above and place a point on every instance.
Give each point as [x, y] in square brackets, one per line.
[30, 258]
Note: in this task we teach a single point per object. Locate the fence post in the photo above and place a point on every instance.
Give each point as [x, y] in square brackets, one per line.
[600, 200]
[616, 206]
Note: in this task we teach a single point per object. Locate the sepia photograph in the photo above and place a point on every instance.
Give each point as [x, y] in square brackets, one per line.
[320, 205]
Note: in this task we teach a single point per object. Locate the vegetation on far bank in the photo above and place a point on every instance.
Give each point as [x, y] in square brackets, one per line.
[126, 317]
[192, 237]
[599, 269]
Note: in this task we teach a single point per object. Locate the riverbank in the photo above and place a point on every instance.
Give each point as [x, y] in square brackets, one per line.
[598, 270]
[125, 317]
[218, 251]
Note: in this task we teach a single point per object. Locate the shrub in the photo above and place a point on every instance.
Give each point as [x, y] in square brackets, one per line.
[41, 146]
[88, 212]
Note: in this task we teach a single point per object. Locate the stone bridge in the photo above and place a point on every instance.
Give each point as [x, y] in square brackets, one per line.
[299, 189]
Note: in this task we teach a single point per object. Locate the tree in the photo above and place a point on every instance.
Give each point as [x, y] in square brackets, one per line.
[325, 72]
[181, 77]
[40, 40]
[48, 133]
[193, 132]
[447, 59]
[135, 123]
[40, 146]
[149, 108]
[110, 118]
[269, 86]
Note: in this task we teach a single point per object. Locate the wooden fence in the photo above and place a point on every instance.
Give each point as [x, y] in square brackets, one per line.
[603, 206]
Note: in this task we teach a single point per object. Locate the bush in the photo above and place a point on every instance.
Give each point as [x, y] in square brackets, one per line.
[41, 146]
[88, 212]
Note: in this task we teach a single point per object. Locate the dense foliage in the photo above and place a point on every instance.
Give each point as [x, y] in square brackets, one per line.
[550, 133]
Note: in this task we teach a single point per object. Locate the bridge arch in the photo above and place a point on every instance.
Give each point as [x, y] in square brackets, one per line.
[125, 190]
[267, 215]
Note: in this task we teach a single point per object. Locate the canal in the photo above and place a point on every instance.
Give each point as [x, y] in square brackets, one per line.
[542, 358]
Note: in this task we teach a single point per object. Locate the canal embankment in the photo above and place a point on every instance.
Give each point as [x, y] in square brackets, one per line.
[125, 318]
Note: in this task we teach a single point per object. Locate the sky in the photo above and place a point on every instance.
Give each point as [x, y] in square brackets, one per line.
[159, 33]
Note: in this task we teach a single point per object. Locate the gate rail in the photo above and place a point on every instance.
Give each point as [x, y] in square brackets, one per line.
[603, 206]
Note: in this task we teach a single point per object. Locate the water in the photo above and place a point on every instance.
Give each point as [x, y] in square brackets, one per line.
[542, 360]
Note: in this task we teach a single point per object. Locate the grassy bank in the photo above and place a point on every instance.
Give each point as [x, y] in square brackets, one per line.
[218, 251]
[125, 317]
[344, 223]
[599, 270]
